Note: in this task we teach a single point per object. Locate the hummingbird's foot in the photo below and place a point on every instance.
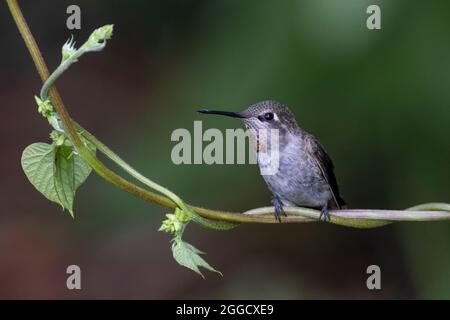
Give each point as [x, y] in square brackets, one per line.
[324, 214]
[279, 211]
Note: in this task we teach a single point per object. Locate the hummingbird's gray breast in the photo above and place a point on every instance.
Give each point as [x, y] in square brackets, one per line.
[298, 180]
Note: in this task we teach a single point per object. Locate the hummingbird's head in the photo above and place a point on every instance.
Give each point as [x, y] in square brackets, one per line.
[267, 115]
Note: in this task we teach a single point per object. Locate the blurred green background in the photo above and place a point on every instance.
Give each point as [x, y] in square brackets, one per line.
[378, 100]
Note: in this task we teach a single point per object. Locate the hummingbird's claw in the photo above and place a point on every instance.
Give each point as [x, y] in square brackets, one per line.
[324, 214]
[279, 211]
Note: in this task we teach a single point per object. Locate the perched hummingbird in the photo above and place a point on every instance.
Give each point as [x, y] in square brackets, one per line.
[305, 174]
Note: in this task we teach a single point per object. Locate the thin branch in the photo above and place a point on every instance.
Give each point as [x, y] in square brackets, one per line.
[353, 218]
[368, 218]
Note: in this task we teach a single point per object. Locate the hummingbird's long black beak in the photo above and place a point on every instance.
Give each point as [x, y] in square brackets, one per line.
[223, 113]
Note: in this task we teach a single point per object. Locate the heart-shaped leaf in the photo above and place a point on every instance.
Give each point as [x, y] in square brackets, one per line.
[55, 171]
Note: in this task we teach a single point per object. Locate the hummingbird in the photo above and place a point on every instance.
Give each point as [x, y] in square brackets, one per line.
[305, 174]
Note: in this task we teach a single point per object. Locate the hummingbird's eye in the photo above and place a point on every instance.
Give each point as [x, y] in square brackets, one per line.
[268, 116]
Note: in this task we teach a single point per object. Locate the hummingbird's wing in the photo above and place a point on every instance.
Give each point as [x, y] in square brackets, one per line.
[326, 166]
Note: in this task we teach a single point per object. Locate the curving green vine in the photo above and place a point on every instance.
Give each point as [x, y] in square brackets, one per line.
[58, 169]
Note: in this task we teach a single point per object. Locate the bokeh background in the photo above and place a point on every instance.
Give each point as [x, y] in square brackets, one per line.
[378, 100]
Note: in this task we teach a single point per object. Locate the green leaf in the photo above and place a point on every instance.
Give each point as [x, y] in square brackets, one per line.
[64, 177]
[82, 171]
[55, 171]
[38, 164]
[188, 256]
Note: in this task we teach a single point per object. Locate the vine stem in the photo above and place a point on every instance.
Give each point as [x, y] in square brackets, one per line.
[90, 157]
[58, 104]
[352, 218]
